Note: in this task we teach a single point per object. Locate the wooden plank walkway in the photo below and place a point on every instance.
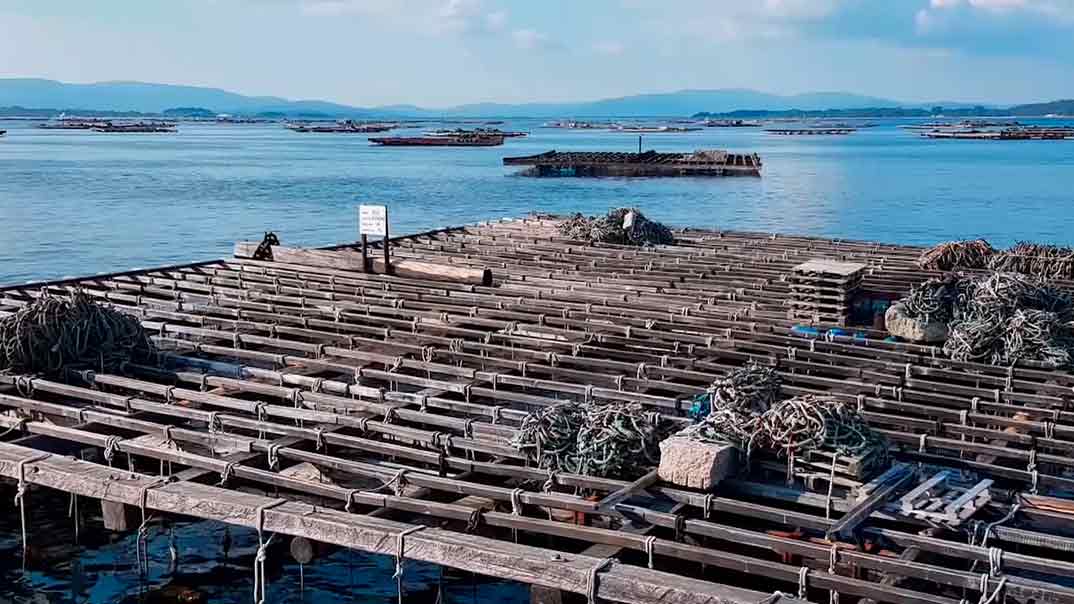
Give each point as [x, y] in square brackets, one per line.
[418, 385]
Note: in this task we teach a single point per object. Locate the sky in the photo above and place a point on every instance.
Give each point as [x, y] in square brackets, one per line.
[439, 53]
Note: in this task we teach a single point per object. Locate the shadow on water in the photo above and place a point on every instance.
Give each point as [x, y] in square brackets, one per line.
[214, 565]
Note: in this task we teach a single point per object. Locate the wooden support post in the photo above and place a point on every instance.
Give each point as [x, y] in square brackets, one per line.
[545, 595]
[387, 254]
[365, 253]
[116, 516]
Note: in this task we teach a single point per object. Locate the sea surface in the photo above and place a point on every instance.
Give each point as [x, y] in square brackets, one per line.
[75, 203]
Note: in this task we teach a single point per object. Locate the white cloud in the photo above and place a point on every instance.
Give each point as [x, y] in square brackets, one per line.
[458, 15]
[797, 9]
[424, 16]
[1052, 8]
[723, 21]
[496, 20]
[431, 17]
[335, 8]
[609, 47]
[528, 39]
[944, 15]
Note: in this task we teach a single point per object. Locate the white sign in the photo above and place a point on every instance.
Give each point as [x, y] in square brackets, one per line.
[373, 220]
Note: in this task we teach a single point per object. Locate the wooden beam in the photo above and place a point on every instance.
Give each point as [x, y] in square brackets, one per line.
[352, 261]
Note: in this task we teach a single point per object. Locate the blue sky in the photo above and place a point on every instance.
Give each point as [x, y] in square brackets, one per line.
[444, 52]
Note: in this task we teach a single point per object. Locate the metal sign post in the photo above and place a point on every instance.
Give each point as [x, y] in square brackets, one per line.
[373, 220]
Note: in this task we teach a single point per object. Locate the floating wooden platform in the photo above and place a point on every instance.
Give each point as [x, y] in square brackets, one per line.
[459, 140]
[649, 163]
[1017, 134]
[811, 131]
[138, 128]
[406, 391]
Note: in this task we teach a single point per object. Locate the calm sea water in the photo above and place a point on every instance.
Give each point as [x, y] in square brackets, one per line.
[74, 203]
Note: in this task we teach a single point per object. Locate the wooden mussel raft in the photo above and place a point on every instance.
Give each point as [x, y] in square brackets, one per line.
[812, 131]
[649, 163]
[407, 391]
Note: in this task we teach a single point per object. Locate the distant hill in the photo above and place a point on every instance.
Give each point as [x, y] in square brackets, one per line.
[1065, 107]
[147, 98]
[153, 98]
[683, 102]
[198, 112]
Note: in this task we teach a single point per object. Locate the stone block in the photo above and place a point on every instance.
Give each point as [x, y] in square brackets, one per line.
[696, 465]
[899, 324]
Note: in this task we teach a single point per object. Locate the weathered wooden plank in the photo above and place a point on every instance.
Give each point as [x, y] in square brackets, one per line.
[352, 261]
[485, 556]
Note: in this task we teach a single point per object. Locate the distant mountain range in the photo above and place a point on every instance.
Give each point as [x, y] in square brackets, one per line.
[44, 96]
[140, 97]
[1057, 108]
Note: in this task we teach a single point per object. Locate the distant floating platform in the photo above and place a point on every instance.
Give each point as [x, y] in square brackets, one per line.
[649, 163]
[811, 131]
[1012, 134]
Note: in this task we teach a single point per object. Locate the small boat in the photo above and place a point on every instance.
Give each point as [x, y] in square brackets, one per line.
[3, 132]
[458, 140]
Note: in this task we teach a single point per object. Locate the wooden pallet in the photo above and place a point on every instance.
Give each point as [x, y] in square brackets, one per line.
[942, 499]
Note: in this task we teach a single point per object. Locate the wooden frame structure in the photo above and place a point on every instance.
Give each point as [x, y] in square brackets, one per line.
[648, 163]
[407, 391]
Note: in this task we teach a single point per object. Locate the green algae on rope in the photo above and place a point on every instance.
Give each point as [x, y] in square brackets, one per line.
[609, 440]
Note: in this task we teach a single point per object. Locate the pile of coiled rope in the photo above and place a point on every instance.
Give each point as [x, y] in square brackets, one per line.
[1005, 318]
[623, 226]
[1045, 261]
[749, 389]
[792, 427]
[53, 333]
[935, 299]
[951, 255]
[999, 318]
[610, 440]
[550, 436]
[804, 423]
[1037, 259]
[736, 403]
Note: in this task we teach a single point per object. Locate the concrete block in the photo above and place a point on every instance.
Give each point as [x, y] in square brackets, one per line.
[696, 465]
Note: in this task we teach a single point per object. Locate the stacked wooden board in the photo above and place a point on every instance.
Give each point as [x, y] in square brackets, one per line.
[823, 291]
